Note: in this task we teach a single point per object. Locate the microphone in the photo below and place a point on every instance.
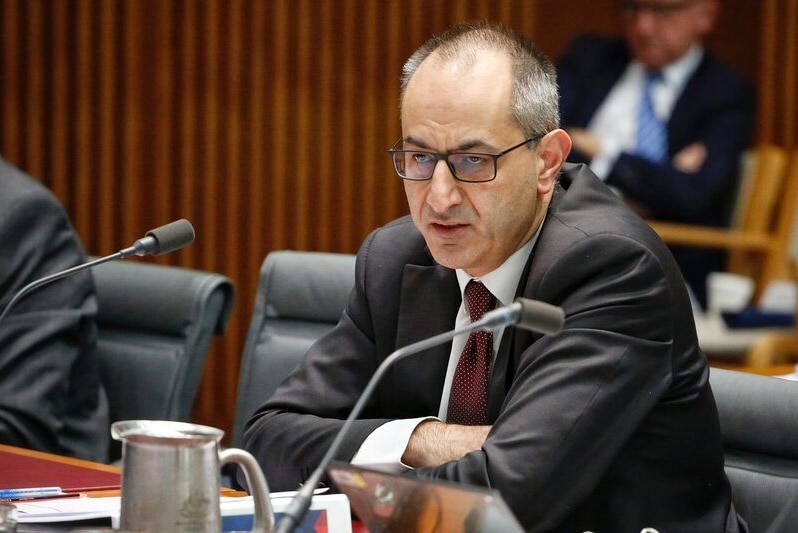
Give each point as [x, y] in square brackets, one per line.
[161, 240]
[527, 314]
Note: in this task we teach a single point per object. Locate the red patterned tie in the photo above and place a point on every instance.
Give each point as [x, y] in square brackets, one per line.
[468, 400]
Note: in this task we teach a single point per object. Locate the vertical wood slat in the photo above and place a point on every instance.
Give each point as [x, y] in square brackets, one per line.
[265, 123]
[790, 70]
[11, 33]
[34, 127]
[106, 156]
[767, 76]
[189, 113]
[60, 128]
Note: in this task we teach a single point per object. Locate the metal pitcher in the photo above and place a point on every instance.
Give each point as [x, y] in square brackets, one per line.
[171, 477]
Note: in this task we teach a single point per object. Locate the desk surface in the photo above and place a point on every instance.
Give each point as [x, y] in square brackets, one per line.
[21, 468]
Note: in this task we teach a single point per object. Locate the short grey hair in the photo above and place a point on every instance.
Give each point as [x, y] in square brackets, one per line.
[535, 99]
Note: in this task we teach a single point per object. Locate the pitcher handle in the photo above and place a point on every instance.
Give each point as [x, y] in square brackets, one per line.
[257, 486]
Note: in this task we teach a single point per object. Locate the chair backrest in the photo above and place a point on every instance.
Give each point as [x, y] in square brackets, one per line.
[762, 177]
[155, 326]
[766, 202]
[301, 296]
[782, 251]
[759, 423]
[766, 199]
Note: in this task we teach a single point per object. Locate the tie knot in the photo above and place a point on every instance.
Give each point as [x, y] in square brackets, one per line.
[479, 300]
[652, 77]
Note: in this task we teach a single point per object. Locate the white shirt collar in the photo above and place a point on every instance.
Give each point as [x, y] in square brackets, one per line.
[676, 73]
[503, 281]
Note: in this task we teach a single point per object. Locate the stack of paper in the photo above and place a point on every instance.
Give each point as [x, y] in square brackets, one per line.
[328, 512]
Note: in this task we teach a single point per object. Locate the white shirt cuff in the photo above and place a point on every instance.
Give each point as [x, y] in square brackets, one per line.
[386, 444]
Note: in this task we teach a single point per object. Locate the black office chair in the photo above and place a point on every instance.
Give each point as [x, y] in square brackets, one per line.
[759, 423]
[301, 296]
[155, 326]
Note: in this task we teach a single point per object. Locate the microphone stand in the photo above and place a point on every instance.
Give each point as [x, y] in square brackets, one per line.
[58, 275]
[164, 239]
[498, 318]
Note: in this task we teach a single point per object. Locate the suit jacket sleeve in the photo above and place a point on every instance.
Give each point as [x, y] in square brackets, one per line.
[49, 379]
[576, 397]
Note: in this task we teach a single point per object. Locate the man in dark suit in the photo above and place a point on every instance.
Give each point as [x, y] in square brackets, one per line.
[609, 425]
[704, 109]
[50, 393]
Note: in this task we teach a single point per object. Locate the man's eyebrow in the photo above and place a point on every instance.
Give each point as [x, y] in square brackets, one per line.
[467, 145]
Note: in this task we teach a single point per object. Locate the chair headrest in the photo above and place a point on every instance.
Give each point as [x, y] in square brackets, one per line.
[307, 285]
[156, 298]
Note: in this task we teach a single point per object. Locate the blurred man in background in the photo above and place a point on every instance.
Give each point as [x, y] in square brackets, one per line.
[660, 119]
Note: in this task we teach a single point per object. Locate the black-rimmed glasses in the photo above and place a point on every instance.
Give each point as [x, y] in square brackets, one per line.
[471, 167]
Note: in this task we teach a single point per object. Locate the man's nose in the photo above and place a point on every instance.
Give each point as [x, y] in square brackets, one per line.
[444, 189]
[644, 20]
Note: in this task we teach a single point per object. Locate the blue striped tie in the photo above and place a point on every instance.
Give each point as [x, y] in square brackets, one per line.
[652, 139]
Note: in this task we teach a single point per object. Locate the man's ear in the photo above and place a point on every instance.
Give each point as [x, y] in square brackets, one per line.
[553, 150]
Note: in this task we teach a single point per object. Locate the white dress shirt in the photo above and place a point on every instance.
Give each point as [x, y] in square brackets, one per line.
[386, 444]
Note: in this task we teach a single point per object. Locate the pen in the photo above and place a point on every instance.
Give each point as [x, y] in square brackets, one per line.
[32, 492]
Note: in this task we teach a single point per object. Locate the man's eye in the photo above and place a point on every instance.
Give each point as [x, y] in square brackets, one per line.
[420, 157]
[473, 159]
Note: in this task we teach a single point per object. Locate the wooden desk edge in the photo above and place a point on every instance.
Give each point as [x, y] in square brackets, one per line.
[60, 459]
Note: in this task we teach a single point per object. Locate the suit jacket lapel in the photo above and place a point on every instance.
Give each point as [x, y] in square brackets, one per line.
[503, 370]
[430, 297]
[429, 301]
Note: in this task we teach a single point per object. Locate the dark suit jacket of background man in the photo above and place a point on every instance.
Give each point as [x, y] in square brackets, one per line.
[716, 108]
[607, 422]
[50, 393]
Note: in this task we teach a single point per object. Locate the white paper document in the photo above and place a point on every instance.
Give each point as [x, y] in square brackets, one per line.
[335, 508]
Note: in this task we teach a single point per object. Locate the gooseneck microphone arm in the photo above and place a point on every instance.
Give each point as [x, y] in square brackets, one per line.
[161, 240]
[527, 314]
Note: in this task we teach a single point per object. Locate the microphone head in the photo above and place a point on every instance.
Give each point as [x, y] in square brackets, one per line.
[540, 316]
[171, 237]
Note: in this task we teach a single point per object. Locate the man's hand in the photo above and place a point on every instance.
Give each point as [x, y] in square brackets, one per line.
[691, 158]
[585, 142]
[434, 443]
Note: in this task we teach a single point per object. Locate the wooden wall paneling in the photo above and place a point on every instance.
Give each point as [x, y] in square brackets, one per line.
[108, 176]
[209, 121]
[134, 74]
[346, 149]
[369, 145]
[79, 198]
[302, 130]
[325, 172]
[160, 78]
[211, 216]
[265, 123]
[396, 55]
[766, 110]
[233, 184]
[189, 112]
[58, 106]
[790, 71]
[11, 29]
[260, 150]
[280, 169]
[34, 98]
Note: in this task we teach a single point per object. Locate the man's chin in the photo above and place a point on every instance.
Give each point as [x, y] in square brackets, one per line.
[448, 255]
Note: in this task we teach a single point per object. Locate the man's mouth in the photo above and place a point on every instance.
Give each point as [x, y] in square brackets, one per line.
[448, 230]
